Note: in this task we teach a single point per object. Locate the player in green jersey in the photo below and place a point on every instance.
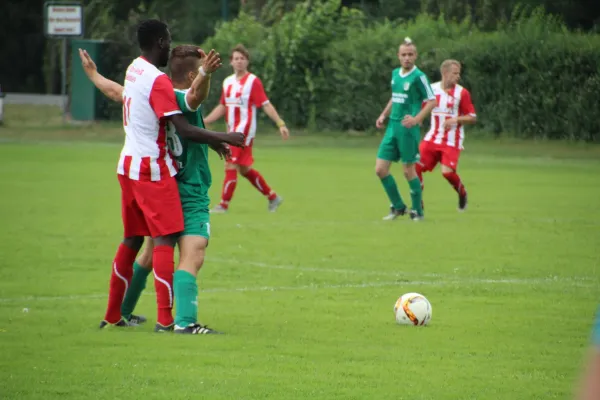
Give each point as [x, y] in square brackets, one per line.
[412, 100]
[190, 72]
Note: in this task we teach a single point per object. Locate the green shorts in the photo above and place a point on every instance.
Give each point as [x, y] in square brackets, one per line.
[196, 216]
[400, 143]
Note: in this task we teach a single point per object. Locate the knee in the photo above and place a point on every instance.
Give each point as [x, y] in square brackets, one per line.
[381, 171]
[410, 172]
[192, 262]
[134, 242]
[420, 168]
[243, 170]
[446, 170]
[145, 259]
[169, 240]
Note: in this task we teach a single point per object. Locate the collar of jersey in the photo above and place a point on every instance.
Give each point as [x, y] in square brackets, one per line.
[409, 72]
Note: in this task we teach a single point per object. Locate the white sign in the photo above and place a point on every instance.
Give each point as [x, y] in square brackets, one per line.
[64, 20]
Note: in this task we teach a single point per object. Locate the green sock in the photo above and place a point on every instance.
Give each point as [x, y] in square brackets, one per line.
[135, 289]
[416, 194]
[186, 298]
[389, 184]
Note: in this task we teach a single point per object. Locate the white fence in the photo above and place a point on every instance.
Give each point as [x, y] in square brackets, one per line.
[35, 99]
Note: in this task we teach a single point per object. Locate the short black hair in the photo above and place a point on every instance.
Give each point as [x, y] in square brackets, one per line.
[149, 32]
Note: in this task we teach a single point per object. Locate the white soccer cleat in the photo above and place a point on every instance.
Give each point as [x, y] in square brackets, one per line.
[218, 210]
[275, 203]
[394, 214]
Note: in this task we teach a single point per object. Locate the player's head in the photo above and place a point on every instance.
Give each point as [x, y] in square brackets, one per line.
[155, 41]
[407, 53]
[184, 63]
[239, 58]
[450, 70]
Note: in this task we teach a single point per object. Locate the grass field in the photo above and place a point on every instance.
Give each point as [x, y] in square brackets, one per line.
[305, 295]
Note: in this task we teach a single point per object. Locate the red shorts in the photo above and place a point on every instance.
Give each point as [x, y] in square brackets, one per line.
[242, 156]
[150, 208]
[432, 154]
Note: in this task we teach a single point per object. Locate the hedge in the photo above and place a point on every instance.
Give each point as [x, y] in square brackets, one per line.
[328, 67]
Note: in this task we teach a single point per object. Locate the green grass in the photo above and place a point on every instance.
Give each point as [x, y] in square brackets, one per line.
[305, 295]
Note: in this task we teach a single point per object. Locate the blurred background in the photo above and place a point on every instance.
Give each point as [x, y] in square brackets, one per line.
[533, 66]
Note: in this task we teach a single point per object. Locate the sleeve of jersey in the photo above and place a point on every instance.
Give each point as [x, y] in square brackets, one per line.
[466, 106]
[162, 97]
[259, 97]
[222, 99]
[425, 88]
[183, 103]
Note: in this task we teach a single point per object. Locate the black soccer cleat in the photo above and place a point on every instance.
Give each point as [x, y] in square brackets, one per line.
[123, 323]
[137, 319]
[394, 213]
[415, 216]
[462, 202]
[161, 328]
[196, 329]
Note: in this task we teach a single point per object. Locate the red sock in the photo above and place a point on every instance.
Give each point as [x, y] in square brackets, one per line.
[163, 266]
[454, 180]
[229, 185]
[259, 182]
[120, 278]
[419, 169]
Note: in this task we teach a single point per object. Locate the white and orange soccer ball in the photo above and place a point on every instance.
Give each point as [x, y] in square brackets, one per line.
[412, 309]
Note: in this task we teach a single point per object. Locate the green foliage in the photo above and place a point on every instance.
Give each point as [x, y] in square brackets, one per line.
[329, 67]
[359, 66]
[245, 29]
[295, 55]
[534, 79]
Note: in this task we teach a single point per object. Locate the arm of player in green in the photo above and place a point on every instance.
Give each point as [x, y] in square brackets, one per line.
[426, 93]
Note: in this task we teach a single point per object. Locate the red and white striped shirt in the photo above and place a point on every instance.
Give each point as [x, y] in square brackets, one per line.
[242, 97]
[451, 104]
[148, 97]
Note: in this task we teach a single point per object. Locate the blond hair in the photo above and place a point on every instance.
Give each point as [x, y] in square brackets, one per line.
[447, 64]
[408, 42]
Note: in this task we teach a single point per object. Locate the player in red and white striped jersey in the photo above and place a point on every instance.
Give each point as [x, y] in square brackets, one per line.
[444, 141]
[150, 202]
[242, 95]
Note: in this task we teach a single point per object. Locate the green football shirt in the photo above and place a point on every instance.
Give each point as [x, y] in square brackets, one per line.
[409, 91]
[191, 157]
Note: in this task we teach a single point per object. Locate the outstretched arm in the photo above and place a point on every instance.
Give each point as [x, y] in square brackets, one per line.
[110, 89]
[200, 135]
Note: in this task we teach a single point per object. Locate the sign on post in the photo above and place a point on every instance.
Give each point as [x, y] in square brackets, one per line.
[63, 20]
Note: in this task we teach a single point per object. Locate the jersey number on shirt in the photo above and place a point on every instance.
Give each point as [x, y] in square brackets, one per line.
[126, 110]
[173, 141]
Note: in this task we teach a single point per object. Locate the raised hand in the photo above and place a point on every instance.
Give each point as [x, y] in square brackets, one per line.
[89, 66]
[211, 61]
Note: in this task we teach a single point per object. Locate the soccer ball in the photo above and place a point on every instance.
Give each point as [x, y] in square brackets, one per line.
[412, 309]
